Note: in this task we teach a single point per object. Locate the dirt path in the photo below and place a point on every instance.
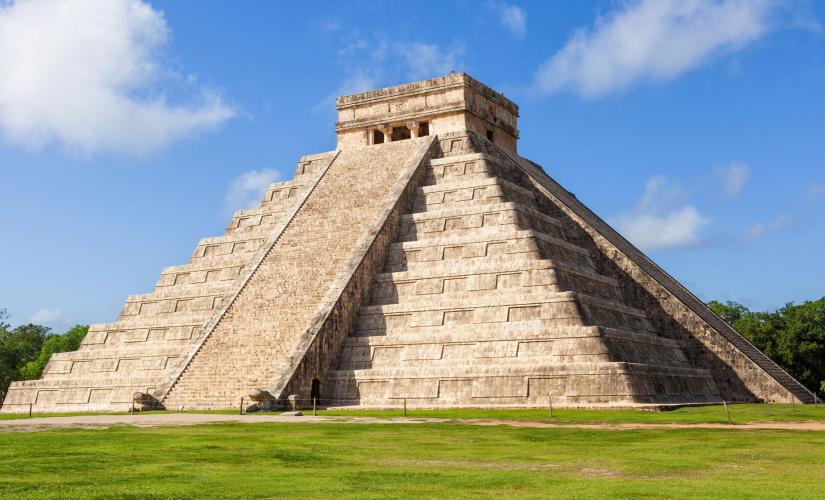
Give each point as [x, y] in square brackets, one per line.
[153, 420]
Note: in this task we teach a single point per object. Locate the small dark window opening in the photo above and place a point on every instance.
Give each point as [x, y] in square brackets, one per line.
[377, 137]
[489, 135]
[423, 129]
[315, 392]
[400, 133]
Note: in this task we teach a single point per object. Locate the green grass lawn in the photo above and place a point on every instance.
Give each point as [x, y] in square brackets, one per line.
[740, 413]
[414, 460]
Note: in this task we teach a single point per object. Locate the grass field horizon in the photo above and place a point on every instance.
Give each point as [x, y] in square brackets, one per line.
[414, 460]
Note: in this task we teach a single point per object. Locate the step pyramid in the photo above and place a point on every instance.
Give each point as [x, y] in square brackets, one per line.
[423, 262]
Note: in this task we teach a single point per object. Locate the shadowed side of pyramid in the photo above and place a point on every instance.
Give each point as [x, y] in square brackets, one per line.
[487, 299]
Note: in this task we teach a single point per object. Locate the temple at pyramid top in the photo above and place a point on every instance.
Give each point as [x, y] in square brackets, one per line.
[452, 103]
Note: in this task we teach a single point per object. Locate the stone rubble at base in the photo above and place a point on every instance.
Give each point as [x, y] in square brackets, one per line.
[422, 262]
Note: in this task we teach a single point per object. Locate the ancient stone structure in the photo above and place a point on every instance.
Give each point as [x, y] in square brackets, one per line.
[422, 260]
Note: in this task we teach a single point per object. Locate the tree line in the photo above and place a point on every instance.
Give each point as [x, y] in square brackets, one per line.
[793, 336]
[25, 349]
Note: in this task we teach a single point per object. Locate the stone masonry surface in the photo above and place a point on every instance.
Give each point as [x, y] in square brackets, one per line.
[258, 332]
[423, 261]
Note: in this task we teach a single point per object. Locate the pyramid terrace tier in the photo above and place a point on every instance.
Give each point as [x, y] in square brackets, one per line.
[520, 384]
[111, 335]
[469, 219]
[126, 361]
[529, 341]
[465, 167]
[502, 242]
[452, 194]
[95, 393]
[563, 309]
[476, 275]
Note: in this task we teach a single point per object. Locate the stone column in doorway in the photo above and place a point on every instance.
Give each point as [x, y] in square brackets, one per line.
[387, 131]
[413, 126]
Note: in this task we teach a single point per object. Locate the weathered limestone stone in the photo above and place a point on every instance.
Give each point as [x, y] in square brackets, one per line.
[422, 261]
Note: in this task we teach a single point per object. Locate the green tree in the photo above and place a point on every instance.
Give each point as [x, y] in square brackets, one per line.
[793, 336]
[26, 349]
[729, 311]
[17, 347]
[69, 341]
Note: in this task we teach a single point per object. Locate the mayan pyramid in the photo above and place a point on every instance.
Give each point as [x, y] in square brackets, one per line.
[422, 260]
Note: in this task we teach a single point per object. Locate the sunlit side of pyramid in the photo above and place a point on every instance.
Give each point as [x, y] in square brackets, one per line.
[422, 260]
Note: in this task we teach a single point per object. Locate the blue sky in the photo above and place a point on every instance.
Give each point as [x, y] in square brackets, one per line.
[130, 130]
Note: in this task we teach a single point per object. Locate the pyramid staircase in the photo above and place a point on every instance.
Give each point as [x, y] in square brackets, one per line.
[259, 336]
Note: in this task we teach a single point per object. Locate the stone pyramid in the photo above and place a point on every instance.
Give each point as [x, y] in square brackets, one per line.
[422, 261]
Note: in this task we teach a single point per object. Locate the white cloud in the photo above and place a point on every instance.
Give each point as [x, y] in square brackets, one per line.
[654, 224]
[734, 176]
[761, 229]
[87, 74]
[246, 190]
[47, 316]
[425, 60]
[650, 231]
[512, 17]
[652, 40]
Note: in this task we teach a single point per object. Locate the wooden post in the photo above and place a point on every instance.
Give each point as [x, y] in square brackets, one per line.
[240, 410]
[793, 403]
[314, 405]
[550, 406]
[405, 407]
[727, 412]
[30, 410]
